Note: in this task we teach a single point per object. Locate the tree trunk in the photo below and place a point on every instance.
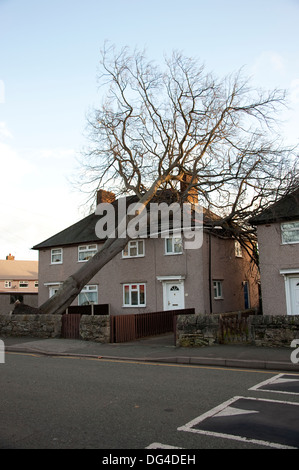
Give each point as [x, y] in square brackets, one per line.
[72, 287]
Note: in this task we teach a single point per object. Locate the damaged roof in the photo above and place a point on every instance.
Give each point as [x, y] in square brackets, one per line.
[83, 232]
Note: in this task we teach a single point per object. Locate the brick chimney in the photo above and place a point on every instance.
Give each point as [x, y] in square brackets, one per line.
[105, 196]
[192, 193]
[10, 257]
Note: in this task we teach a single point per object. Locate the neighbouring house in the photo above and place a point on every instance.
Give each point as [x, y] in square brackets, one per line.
[18, 283]
[152, 274]
[278, 241]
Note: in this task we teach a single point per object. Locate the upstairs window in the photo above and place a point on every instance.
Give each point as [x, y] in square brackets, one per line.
[85, 252]
[173, 246]
[238, 249]
[8, 284]
[134, 249]
[56, 256]
[290, 232]
[23, 284]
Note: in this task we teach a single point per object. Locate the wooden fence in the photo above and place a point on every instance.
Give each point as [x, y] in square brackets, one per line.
[92, 309]
[130, 327]
[70, 327]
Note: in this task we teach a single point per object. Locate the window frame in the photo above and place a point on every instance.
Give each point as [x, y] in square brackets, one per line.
[87, 249]
[24, 286]
[218, 289]
[283, 231]
[89, 288]
[60, 253]
[127, 251]
[131, 285]
[7, 284]
[173, 244]
[238, 249]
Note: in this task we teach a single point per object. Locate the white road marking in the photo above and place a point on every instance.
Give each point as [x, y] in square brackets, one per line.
[157, 445]
[231, 411]
[277, 379]
[190, 427]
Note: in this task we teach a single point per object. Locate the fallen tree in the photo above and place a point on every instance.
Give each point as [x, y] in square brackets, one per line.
[156, 126]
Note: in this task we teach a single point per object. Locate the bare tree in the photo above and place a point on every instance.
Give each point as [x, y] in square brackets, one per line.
[155, 126]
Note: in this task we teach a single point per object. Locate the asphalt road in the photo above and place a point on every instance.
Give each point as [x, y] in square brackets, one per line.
[75, 403]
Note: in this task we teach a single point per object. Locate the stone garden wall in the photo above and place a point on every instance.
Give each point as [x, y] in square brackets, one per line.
[95, 328]
[35, 326]
[261, 330]
[92, 328]
[274, 330]
[191, 330]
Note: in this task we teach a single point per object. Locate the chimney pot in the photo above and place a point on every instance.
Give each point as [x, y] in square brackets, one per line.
[105, 196]
[192, 196]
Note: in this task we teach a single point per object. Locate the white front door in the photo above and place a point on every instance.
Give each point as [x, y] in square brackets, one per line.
[294, 295]
[174, 296]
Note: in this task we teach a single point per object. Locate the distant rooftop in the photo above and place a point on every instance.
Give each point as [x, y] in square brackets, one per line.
[287, 208]
[11, 269]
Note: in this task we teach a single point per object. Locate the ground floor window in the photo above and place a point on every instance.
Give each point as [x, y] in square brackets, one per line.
[88, 295]
[53, 289]
[134, 295]
[291, 277]
[217, 290]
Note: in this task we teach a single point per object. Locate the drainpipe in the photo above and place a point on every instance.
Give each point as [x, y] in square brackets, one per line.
[210, 272]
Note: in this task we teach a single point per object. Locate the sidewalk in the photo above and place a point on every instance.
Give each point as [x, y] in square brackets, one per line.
[160, 349]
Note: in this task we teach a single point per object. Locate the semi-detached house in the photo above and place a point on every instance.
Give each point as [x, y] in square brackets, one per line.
[278, 239]
[152, 274]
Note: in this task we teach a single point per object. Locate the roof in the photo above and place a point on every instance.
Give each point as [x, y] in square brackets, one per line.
[18, 270]
[80, 232]
[287, 208]
[84, 231]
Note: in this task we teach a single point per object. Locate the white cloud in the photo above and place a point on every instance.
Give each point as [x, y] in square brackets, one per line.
[269, 67]
[294, 91]
[2, 92]
[36, 199]
[4, 132]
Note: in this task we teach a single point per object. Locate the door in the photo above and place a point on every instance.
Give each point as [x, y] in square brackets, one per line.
[174, 296]
[294, 295]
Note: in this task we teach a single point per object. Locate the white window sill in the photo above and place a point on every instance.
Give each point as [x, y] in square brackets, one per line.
[133, 306]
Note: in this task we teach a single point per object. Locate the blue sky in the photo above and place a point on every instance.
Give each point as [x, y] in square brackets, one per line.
[49, 54]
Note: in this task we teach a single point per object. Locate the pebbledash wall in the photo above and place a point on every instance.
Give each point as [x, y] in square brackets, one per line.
[192, 330]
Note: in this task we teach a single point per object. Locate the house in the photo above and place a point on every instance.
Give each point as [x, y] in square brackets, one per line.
[18, 282]
[152, 274]
[278, 240]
